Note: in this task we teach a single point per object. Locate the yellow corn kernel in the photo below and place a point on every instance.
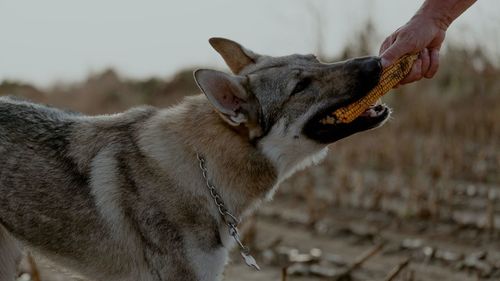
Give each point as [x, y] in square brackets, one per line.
[390, 77]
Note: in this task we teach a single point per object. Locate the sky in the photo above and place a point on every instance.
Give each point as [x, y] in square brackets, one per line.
[50, 41]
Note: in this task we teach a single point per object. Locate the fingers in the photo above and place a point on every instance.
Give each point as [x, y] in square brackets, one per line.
[390, 56]
[426, 61]
[425, 66]
[390, 51]
[385, 45]
[434, 63]
[415, 73]
[387, 42]
[412, 38]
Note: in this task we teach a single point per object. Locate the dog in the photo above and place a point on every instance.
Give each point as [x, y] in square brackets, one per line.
[155, 194]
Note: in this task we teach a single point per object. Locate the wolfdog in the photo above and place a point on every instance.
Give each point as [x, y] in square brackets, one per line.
[156, 194]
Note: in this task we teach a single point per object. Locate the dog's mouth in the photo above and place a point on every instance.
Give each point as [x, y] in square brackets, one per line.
[324, 128]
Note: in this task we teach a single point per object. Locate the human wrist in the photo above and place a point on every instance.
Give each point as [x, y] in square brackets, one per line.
[437, 12]
[444, 12]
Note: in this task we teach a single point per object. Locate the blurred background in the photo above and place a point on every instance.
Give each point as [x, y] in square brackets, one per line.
[420, 194]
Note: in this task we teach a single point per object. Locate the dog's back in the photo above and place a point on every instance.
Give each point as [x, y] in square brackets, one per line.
[34, 148]
[25, 124]
[46, 197]
[32, 136]
[80, 190]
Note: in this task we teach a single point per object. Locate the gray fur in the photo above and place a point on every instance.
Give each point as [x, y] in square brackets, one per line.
[121, 197]
[10, 254]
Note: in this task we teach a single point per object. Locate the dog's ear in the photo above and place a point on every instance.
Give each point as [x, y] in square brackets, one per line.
[235, 55]
[228, 95]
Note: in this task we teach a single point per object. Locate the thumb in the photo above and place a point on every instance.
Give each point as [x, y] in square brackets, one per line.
[392, 53]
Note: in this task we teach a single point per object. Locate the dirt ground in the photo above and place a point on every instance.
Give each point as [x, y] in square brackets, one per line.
[436, 251]
[283, 239]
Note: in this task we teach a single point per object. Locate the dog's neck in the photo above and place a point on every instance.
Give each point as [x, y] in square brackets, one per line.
[240, 172]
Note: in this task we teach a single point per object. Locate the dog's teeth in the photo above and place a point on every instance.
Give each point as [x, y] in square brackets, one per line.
[328, 120]
[373, 113]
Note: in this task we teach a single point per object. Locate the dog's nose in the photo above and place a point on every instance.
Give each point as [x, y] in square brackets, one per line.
[365, 66]
[366, 71]
[370, 67]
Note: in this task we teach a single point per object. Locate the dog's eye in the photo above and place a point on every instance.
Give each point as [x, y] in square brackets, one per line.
[301, 85]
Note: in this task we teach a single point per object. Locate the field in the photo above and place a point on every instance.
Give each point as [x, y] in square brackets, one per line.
[421, 194]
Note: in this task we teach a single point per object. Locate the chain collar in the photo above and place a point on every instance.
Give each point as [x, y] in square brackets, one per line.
[229, 219]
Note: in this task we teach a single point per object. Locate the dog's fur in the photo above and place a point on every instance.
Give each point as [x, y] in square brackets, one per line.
[121, 197]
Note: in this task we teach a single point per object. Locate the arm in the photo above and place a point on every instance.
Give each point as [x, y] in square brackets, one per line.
[444, 12]
[423, 34]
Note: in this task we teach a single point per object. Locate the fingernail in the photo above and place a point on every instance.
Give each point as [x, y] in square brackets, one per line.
[385, 62]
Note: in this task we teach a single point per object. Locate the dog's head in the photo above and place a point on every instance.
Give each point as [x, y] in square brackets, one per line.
[281, 100]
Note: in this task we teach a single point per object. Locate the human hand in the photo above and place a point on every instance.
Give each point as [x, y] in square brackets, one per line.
[421, 35]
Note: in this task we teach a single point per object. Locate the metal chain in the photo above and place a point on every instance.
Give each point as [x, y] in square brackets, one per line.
[230, 219]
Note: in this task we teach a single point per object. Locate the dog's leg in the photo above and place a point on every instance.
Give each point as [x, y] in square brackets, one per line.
[10, 255]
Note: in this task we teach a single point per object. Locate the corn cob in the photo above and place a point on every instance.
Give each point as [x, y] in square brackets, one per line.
[390, 77]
